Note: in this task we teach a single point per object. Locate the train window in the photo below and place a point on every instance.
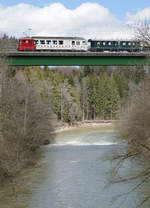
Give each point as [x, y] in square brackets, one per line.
[26, 41]
[55, 42]
[73, 42]
[61, 42]
[42, 41]
[133, 44]
[109, 43]
[48, 42]
[77, 42]
[104, 43]
[98, 43]
[36, 42]
[129, 43]
[83, 42]
[22, 42]
[124, 43]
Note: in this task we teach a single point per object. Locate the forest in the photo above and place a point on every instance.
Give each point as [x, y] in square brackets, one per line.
[87, 93]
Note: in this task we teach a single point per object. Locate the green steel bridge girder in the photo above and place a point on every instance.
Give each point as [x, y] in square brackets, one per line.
[76, 59]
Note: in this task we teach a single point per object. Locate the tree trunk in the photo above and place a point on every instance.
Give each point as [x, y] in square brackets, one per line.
[61, 97]
[25, 114]
[83, 112]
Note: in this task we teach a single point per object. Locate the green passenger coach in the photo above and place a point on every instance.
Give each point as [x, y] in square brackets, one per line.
[113, 45]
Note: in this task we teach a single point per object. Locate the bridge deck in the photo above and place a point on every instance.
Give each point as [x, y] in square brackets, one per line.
[76, 58]
[48, 53]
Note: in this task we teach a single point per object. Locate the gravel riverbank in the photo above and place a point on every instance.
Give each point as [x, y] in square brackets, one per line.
[90, 123]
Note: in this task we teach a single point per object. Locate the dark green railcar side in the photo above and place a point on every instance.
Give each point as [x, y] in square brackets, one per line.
[129, 46]
[113, 45]
[102, 45]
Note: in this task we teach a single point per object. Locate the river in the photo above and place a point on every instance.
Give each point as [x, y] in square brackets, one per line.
[75, 173]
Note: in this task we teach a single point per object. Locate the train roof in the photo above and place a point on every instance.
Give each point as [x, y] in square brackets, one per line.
[53, 38]
[112, 40]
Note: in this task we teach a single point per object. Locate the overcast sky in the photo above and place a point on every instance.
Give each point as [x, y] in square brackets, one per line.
[87, 18]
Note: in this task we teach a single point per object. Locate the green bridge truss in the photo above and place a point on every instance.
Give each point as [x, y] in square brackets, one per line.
[75, 58]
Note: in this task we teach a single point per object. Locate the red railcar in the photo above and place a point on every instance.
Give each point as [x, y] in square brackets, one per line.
[26, 44]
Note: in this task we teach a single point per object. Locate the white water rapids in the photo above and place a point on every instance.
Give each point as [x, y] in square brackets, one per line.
[88, 136]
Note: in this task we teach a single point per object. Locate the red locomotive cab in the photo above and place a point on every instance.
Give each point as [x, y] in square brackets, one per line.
[26, 44]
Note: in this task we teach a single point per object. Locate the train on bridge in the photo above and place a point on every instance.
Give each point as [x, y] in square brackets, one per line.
[72, 44]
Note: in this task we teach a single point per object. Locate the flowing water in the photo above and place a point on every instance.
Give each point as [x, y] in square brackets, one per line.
[75, 173]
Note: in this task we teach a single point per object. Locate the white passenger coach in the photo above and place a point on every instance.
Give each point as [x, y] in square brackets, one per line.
[61, 43]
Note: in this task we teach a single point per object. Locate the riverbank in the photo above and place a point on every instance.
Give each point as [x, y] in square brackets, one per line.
[85, 124]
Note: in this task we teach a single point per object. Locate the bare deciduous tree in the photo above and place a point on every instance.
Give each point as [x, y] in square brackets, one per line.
[134, 129]
[26, 124]
[142, 32]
